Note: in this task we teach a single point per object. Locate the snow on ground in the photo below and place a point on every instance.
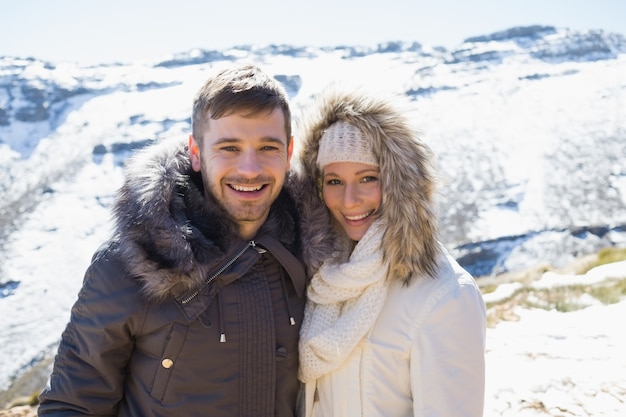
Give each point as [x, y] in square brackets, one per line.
[46, 263]
[558, 364]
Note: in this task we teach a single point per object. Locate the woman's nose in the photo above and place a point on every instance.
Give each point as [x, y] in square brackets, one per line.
[351, 196]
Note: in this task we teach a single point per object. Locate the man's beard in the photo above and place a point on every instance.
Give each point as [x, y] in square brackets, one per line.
[237, 210]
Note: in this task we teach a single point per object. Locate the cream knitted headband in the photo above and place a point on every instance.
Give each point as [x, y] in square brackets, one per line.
[344, 142]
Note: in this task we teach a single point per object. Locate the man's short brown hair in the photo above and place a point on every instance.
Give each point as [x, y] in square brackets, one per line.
[243, 88]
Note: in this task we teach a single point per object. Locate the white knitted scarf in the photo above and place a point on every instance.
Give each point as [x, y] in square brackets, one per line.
[344, 301]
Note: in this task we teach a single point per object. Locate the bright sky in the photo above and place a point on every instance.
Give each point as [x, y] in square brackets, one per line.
[130, 30]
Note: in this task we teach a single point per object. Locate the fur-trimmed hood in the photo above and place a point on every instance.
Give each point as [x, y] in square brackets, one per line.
[407, 177]
[169, 234]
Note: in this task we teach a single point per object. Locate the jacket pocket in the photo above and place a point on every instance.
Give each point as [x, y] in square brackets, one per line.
[173, 346]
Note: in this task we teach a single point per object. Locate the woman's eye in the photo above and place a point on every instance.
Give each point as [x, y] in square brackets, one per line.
[370, 178]
[333, 182]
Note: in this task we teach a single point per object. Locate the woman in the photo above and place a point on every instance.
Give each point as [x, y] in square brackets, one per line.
[393, 325]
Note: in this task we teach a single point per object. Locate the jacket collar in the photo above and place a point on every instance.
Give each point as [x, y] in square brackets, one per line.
[236, 263]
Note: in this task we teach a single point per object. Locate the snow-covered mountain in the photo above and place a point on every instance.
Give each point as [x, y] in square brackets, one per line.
[528, 124]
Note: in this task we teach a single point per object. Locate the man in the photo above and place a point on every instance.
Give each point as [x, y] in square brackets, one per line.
[193, 308]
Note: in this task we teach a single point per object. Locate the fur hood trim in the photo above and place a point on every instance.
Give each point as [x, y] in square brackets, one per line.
[169, 234]
[407, 176]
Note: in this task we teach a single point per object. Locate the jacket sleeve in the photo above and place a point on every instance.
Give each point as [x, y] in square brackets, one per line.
[89, 369]
[448, 356]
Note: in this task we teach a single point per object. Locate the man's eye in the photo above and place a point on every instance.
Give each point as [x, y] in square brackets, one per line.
[229, 148]
[269, 148]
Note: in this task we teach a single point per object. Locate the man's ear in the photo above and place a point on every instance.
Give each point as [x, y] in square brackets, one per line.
[289, 153]
[194, 154]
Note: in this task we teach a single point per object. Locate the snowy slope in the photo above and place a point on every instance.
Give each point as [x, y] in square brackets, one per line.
[528, 125]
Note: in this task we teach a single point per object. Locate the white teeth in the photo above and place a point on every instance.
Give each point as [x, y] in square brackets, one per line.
[362, 216]
[247, 189]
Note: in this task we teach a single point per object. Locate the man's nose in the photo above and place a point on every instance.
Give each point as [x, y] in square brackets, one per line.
[249, 163]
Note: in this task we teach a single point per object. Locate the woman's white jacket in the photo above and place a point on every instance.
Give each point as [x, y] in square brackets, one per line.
[423, 357]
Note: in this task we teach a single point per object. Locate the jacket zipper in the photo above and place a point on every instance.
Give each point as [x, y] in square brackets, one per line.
[194, 294]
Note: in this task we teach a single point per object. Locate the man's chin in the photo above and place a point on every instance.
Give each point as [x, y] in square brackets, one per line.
[248, 214]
